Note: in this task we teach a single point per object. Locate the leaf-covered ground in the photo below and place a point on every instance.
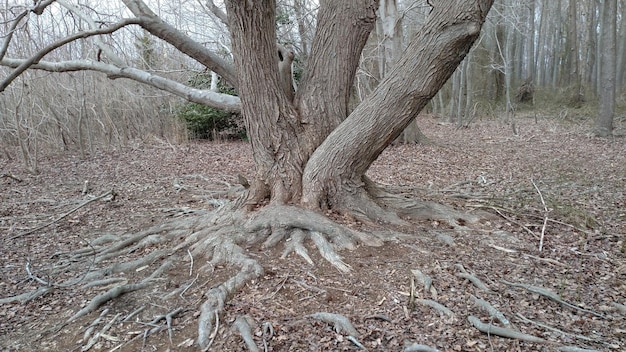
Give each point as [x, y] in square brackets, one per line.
[580, 180]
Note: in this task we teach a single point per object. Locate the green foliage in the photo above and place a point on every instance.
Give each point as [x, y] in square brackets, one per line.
[204, 122]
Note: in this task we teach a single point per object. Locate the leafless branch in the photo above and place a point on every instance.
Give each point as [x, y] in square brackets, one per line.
[26, 64]
[37, 9]
[206, 97]
[163, 30]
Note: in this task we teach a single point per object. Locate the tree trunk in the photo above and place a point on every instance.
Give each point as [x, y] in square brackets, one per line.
[334, 175]
[304, 151]
[604, 122]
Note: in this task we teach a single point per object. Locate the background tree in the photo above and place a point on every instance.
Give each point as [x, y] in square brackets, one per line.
[604, 122]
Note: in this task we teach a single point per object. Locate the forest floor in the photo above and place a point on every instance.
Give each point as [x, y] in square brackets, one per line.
[550, 164]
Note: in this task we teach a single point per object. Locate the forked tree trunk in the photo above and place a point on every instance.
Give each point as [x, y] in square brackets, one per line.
[311, 150]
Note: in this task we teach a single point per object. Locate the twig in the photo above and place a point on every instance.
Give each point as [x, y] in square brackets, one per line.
[191, 264]
[497, 210]
[32, 276]
[29, 232]
[545, 217]
[12, 177]
[214, 333]
[100, 333]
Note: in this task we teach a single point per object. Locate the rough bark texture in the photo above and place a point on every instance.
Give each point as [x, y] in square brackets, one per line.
[341, 33]
[305, 146]
[272, 122]
[604, 123]
[338, 165]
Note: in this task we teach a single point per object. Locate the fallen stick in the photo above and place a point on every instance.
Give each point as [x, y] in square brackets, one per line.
[29, 232]
[545, 216]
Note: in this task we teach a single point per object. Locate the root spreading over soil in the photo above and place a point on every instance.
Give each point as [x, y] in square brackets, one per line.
[170, 259]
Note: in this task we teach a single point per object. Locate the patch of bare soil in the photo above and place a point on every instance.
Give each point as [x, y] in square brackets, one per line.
[550, 187]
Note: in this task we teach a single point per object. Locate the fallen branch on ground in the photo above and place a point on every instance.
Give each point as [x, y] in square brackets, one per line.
[545, 216]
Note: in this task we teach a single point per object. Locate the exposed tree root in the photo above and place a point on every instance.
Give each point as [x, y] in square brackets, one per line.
[107, 296]
[553, 296]
[473, 279]
[503, 332]
[416, 347]
[220, 236]
[419, 210]
[493, 312]
[340, 323]
[242, 324]
[437, 306]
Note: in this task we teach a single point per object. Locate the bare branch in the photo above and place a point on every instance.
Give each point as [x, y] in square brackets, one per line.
[37, 9]
[92, 25]
[219, 13]
[205, 97]
[43, 52]
[159, 28]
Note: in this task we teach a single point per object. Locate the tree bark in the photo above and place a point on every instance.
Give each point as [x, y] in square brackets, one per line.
[336, 169]
[273, 125]
[285, 132]
[604, 122]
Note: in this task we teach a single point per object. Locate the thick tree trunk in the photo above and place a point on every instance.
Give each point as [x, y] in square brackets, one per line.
[304, 151]
[272, 122]
[336, 169]
[283, 131]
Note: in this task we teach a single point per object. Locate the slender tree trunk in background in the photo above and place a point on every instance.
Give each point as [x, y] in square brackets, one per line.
[621, 49]
[589, 54]
[542, 56]
[389, 28]
[530, 55]
[571, 71]
[597, 79]
[604, 122]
